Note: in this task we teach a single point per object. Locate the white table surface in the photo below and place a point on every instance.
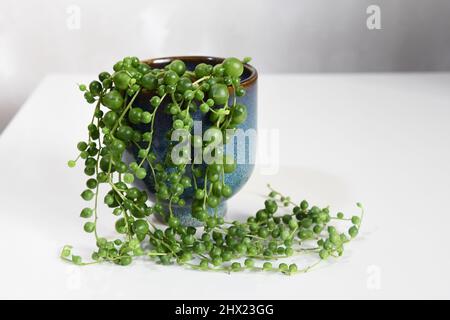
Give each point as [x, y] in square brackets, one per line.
[382, 139]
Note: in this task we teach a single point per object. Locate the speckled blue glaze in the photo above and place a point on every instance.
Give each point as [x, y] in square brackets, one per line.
[163, 123]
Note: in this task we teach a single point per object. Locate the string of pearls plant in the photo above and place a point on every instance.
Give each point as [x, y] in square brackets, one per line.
[254, 245]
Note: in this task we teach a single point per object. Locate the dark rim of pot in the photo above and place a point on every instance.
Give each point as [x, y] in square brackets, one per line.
[249, 70]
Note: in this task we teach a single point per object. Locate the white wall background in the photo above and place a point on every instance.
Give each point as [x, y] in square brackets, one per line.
[37, 36]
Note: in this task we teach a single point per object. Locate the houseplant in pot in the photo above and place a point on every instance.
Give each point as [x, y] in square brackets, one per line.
[143, 144]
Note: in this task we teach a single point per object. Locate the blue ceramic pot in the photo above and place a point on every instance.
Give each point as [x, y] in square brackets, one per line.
[244, 149]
